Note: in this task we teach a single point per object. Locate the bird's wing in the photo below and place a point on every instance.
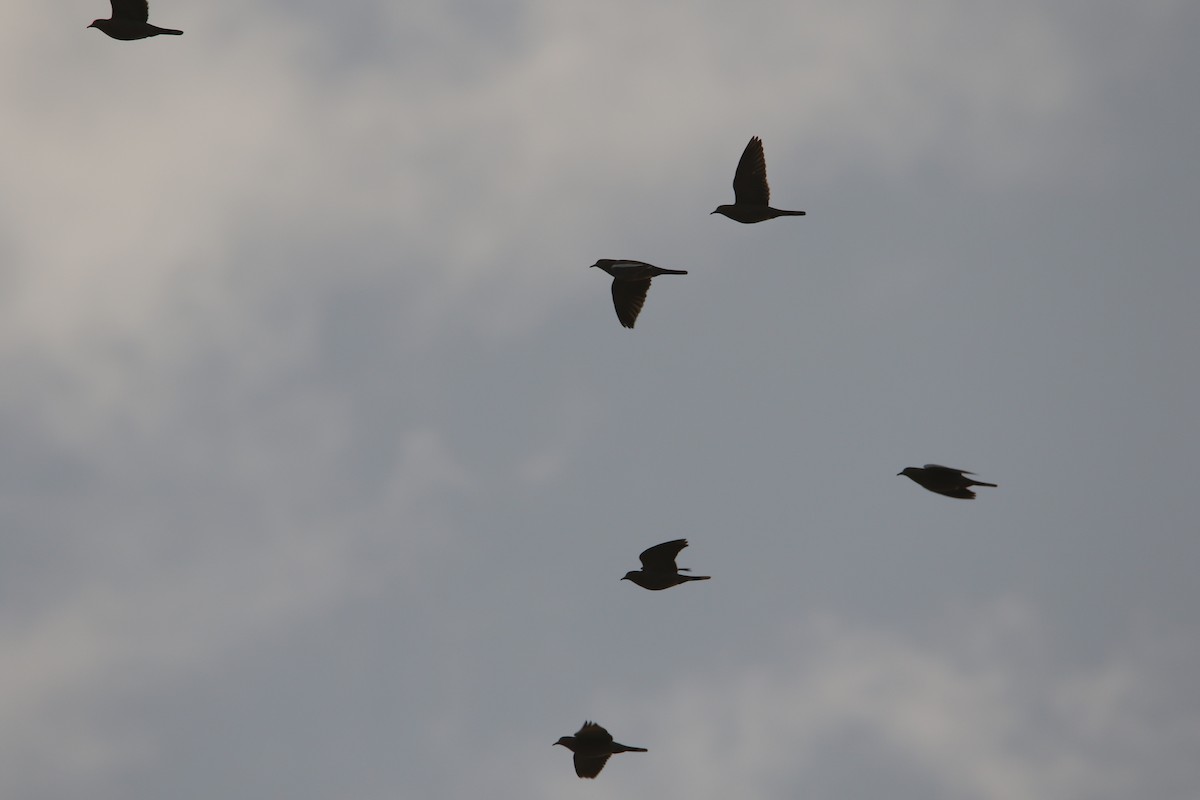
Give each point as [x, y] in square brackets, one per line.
[750, 181]
[661, 557]
[132, 10]
[945, 481]
[940, 468]
[628, 299]
[589, 766]
[593, 733]
[628, 269]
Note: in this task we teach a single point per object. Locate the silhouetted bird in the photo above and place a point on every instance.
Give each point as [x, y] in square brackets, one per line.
[631, 281]
[129, 21]
[751, 195]
[592, 745]
[658, 567]
[945, 480]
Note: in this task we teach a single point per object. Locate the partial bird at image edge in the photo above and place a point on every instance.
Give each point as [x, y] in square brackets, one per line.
[129, 22]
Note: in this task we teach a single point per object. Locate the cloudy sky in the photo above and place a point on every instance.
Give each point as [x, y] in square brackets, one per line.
[322, 451]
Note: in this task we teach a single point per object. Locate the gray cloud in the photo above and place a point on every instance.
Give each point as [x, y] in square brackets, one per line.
[321, 453]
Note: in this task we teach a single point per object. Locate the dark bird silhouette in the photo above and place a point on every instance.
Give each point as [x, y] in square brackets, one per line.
[129, 21]
[658, 567]
[631, 281]
[751, 195]
[945, 480]
[592, 745]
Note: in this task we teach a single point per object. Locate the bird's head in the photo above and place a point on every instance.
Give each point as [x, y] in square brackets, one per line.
[95, 24]
[566, 741]
[723, 209]
[909, 471]
[631, 575]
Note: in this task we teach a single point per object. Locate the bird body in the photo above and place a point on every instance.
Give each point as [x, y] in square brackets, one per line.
[658, 567]
[944, 480]
[751, 193]
[592, 745]
[129, 22]
[631, 282]
[748, 215]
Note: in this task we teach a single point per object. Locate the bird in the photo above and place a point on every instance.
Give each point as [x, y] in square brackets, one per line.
[129, 22]
[944, 480]
[631, 281]
[592, 745]
[658, 567]
[751, 195]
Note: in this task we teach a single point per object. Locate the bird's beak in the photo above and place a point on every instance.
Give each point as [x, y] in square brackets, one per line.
[711, 213]
[624, 577]
[898, 474]
[92, 25]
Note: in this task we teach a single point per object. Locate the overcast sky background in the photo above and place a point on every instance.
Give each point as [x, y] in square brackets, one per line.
[322, 452]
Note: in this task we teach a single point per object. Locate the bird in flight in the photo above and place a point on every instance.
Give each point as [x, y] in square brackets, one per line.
[945, 480]
[631, 281]
[751, 195]
[658, 567]
[592, 745]
[129, 21]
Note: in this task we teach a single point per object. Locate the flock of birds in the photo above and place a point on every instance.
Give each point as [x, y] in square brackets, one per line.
[592, 745]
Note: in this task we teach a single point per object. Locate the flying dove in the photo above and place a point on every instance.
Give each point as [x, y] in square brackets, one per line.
[658, 567]
[945, 480]
[631, 281]
[751, 195]
[592, 745]
[129, 21]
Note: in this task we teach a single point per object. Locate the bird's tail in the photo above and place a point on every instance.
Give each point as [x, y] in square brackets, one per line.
[674, 271]
[981, 483]
[170, 31]
[793, 213]
[696, 577]
[627, 749]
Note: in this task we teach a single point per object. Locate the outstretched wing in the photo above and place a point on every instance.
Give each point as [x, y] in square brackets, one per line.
[961, 492]
[589, 766]
[940, 468]
[132, 10]
[750, 181]
[628, 299]
[591, 732]
[661, 557]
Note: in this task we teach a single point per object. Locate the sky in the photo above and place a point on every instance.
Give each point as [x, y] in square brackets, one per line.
[322, 452]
